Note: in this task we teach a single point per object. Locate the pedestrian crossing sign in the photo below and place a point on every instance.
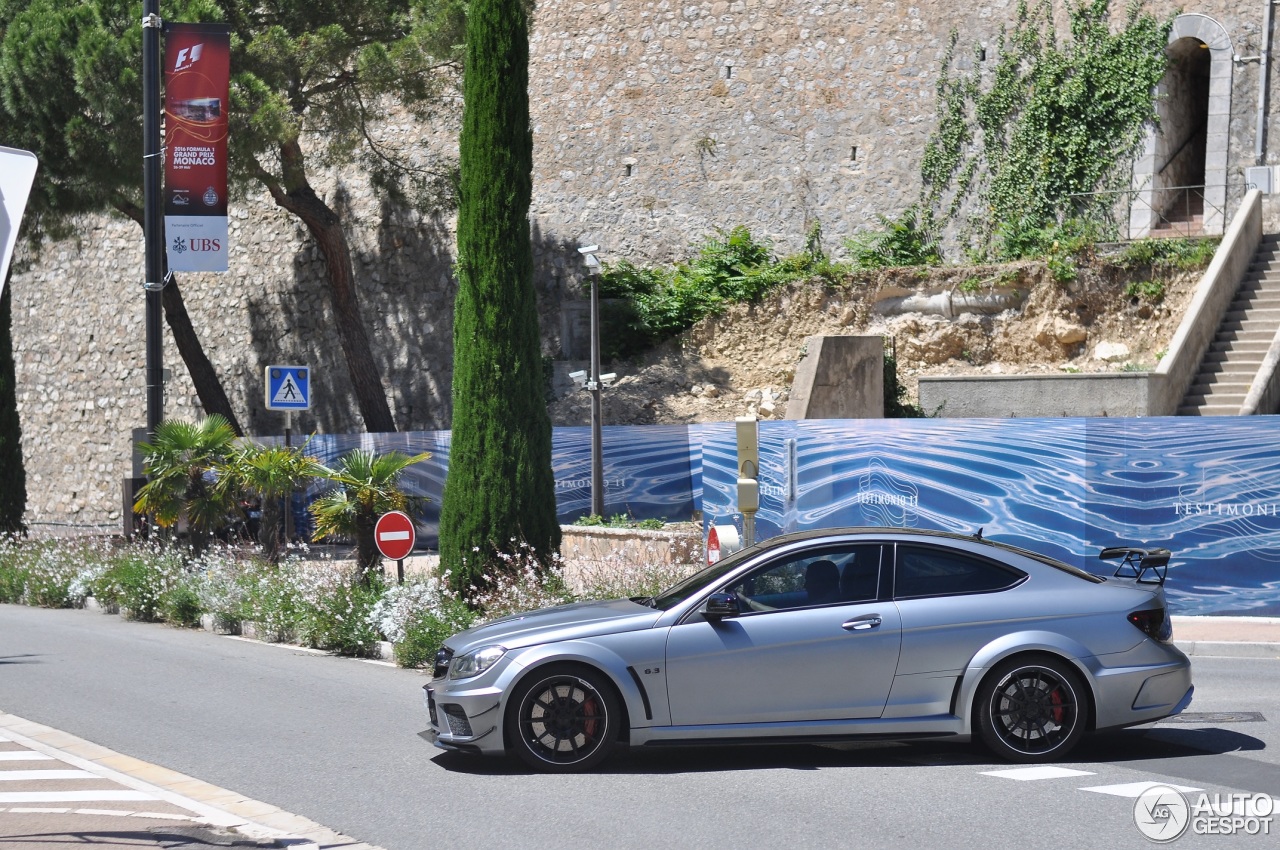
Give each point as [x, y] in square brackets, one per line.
[288, 388]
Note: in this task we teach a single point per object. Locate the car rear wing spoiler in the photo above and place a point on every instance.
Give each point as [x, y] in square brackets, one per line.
[1136, 563]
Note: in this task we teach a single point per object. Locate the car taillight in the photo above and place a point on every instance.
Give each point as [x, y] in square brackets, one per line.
[1154, 622]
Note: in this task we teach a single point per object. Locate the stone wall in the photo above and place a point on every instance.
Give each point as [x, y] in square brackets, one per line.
[654, 123]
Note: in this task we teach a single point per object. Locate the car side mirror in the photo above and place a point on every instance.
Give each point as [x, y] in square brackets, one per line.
[721, 605]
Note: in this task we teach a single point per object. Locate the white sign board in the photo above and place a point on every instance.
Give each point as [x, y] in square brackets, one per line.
[17, 173]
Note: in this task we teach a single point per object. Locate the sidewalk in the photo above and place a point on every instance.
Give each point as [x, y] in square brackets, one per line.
[1228, 637]
[59, 791]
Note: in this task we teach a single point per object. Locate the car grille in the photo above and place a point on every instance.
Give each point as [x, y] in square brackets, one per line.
[459, 725]
[443, 657]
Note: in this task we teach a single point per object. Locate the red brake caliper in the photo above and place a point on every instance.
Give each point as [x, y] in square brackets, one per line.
[590, 709]
[1058, 711]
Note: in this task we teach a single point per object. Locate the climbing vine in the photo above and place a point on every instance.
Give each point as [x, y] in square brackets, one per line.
[1053, 120]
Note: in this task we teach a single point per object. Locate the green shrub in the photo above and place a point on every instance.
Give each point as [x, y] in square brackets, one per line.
[1148, 290]
[651, 305]
[180, 603]
[13, 575]
[426, 630]
[334, 607]
[225, 588]
[619, 521]
[908, 240]
[1183, 254]
[274, 600]
[137, 579]
[418, 617]
[896, 404]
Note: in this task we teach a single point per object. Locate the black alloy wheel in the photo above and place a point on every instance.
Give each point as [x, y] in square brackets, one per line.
[1031, 710]
[563, 719]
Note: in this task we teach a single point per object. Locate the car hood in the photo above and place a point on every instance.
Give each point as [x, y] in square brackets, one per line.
[564, 622]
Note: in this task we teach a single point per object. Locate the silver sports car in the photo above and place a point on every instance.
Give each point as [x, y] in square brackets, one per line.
[819, 636]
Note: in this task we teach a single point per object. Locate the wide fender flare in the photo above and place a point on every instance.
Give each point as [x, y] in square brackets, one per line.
[584, 652]
[1066, 649]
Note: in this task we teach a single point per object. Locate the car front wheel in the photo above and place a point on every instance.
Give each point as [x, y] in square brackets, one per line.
[1031, 710]
[563, 719]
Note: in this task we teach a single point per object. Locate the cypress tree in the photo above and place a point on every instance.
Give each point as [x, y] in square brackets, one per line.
[13, 476]
[500, 487]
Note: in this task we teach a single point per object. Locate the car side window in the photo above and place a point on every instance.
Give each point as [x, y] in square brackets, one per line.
[832, 575]
[929, 571]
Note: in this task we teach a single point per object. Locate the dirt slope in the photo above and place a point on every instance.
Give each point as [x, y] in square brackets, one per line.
[742, 362]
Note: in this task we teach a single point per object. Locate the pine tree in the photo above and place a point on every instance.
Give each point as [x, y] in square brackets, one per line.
[500, 491]
[13, 476]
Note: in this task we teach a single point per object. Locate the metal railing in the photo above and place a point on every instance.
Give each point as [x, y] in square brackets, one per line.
[1128, 214]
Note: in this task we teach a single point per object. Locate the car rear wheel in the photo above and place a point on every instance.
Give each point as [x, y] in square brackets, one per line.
[1031, 710]
[563, 719]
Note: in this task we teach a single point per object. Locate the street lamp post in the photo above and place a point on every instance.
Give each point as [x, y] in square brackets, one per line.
[152, 218]
[593, 383]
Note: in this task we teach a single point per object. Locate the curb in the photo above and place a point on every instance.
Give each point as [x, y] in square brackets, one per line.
[218, 806]
[1228, 649]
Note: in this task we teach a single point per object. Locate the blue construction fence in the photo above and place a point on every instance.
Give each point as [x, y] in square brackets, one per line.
[1206, 488]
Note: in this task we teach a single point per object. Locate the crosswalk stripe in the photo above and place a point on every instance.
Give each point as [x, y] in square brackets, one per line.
[25, 755]
[1136, 789]
[38, 775]
[71, 796]
[1030, 774]
[1033, 773]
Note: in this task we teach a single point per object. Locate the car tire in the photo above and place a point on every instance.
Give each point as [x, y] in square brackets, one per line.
[1031, 709]
[563, 719]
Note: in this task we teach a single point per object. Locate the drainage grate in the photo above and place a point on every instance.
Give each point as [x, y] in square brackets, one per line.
[1202, 717]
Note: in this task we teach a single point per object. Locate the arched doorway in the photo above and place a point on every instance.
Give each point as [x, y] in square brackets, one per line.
[1189, 149]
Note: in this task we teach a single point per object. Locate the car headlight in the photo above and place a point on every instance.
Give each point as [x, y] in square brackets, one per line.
[475, 663]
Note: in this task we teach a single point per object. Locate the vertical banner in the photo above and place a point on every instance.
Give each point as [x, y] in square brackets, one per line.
[197, 64]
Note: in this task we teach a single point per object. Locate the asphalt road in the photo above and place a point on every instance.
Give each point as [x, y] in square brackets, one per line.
[338, 740]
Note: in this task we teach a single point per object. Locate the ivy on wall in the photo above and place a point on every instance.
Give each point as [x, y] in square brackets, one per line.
[1053, 119]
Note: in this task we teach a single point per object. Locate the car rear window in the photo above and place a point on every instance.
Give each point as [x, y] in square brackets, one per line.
[1051, 562]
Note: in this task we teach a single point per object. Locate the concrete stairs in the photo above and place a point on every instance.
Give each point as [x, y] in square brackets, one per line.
[1242, 341]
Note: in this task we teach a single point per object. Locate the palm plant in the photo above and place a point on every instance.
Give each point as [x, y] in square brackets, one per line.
[367, 486]
[182, 462]
[272, 473]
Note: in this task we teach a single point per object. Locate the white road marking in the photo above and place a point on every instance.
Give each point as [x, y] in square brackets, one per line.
[111, 812]
[70, 796]
[1135, 790]
[26, 775]
[46, 810]
[394, 535]
[1030, 774]
[25, 756]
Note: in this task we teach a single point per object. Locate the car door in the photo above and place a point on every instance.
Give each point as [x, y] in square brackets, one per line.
[799, 651]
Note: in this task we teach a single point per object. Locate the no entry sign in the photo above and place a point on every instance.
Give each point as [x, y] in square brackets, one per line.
[394, 535]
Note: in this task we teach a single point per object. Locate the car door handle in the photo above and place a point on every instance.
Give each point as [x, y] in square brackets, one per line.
[861, 624]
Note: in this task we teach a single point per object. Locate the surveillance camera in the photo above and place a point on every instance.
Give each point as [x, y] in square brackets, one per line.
[588, 249]
[608, 376]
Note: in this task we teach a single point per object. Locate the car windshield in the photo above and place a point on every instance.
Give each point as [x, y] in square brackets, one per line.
[681, 591]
